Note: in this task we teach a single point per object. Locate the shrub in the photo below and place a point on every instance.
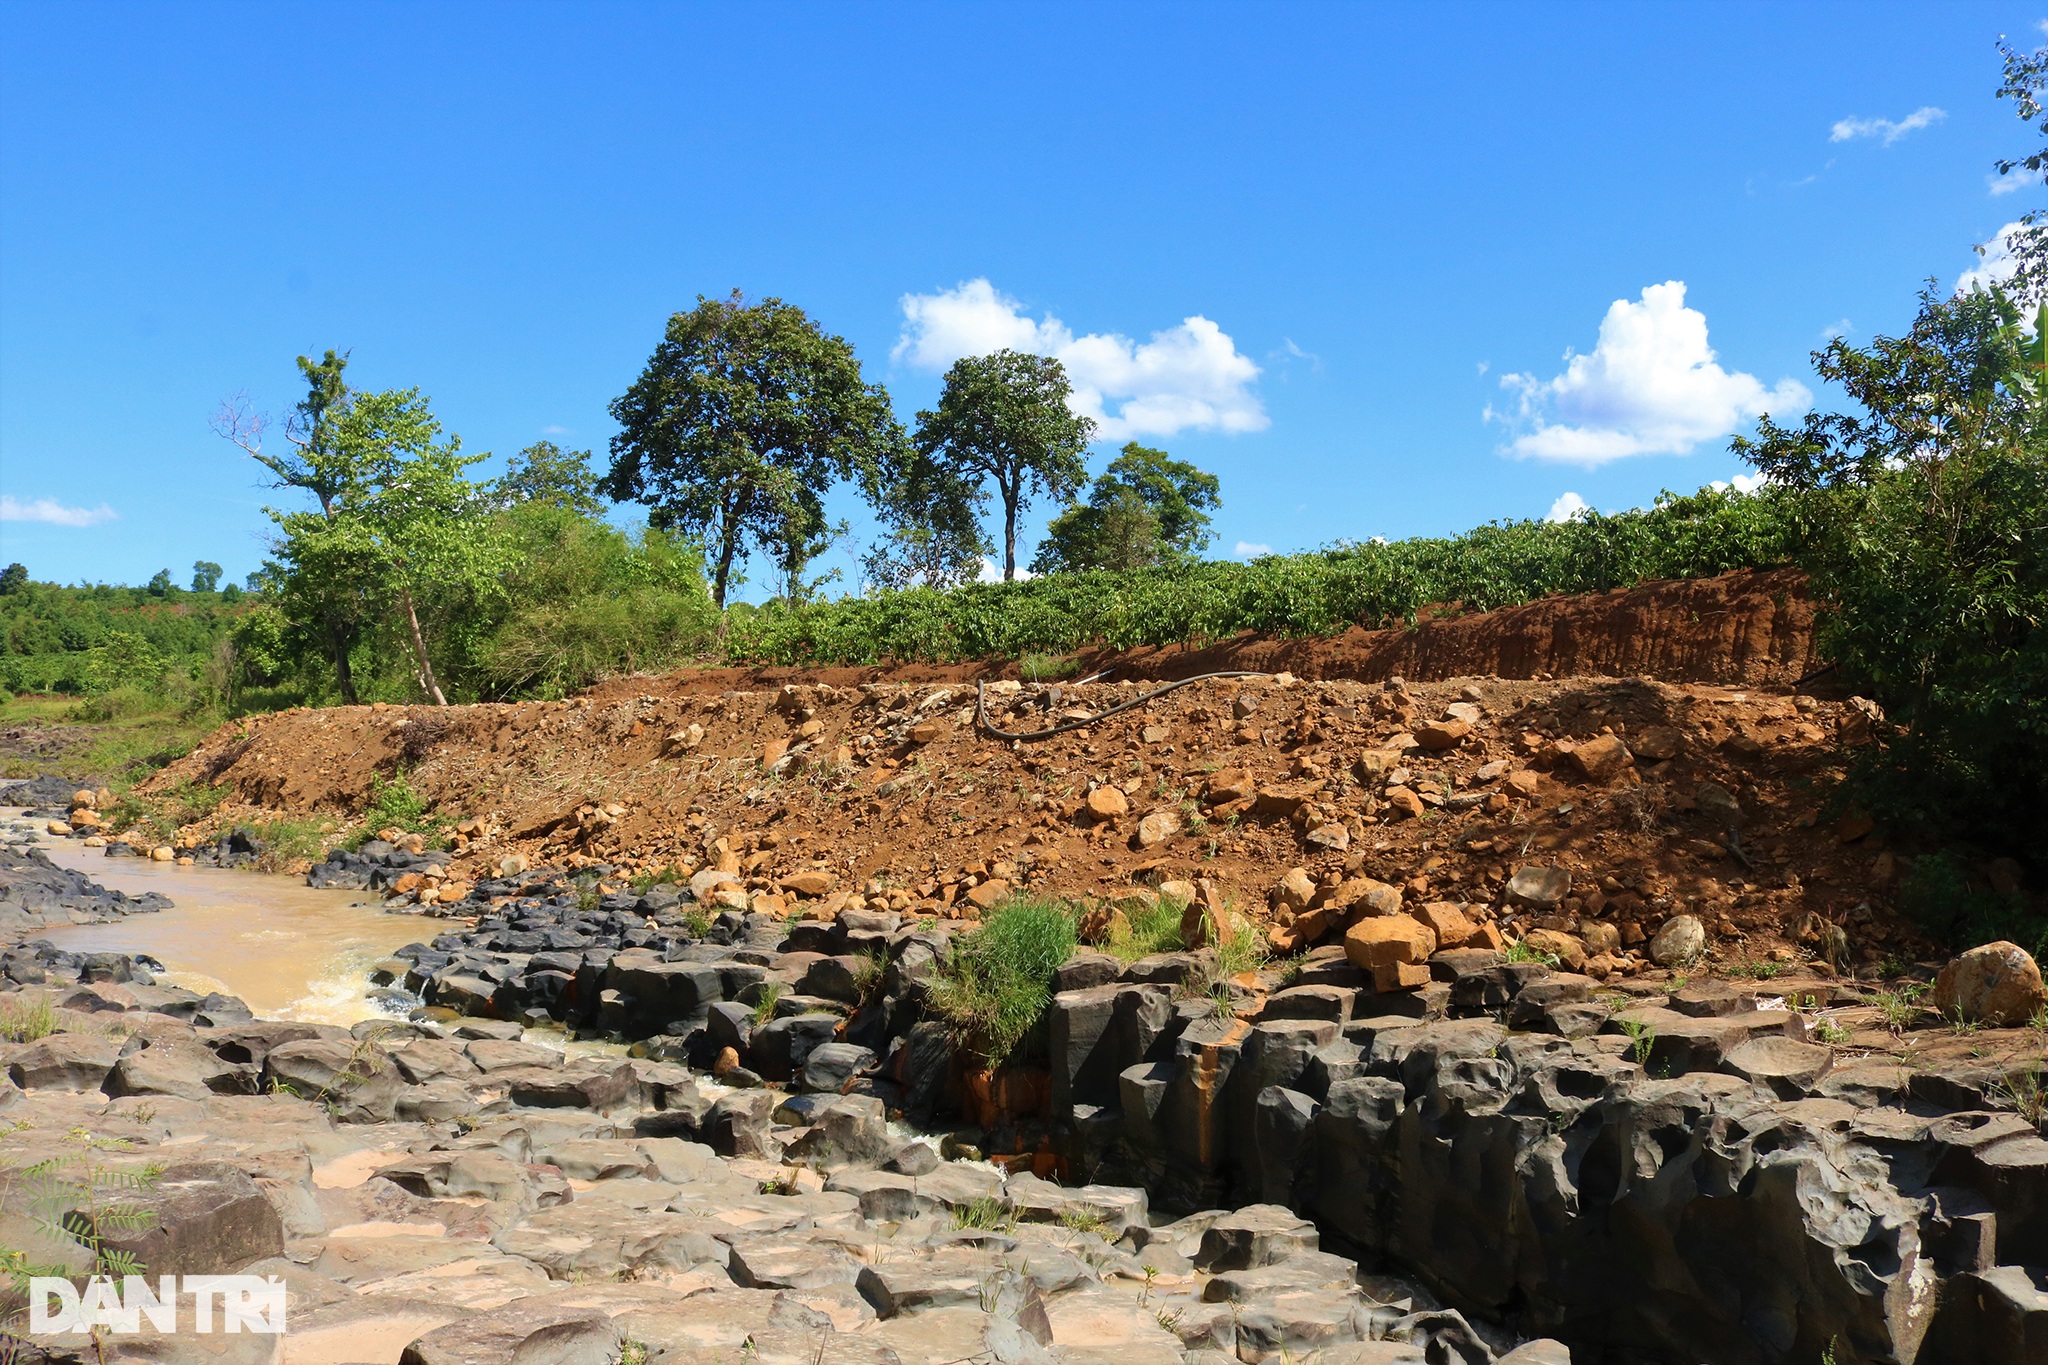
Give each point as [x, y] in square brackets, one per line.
[1373, 583]
[1927, 548]
[394, 802]
[998, 979]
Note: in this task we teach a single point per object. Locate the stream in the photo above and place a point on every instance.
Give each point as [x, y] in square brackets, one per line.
[288, 950]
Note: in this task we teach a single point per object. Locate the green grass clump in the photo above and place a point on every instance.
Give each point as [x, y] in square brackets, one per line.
[287, 843]
[986, 1213]
[998, 979]
[24, 1021]
[1139, 930]
[1047, 667]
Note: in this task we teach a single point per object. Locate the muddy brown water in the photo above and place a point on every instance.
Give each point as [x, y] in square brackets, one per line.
[289, 951]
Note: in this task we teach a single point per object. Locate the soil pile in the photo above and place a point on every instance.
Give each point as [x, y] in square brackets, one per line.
[1645, 800]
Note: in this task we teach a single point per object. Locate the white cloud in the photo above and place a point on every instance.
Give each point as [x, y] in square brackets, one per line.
[1650, 387]
[1741, 483]
[2001, 185]
[1251, 549]
[1849, 129]
[54, 513]
[1186, 378]
[1995, 262]
[1839, 328]
[552, 430]
[1567, 506]
[992, 572]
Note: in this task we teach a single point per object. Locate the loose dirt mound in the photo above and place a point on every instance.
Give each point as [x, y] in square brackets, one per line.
[1657, 799]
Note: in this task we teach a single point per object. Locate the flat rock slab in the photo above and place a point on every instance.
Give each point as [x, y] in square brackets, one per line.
[527, 1335]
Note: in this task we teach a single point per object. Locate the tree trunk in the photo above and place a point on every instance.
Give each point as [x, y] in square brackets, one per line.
[1010, 496]
[419, 649]
[346, 679]
[727, 547]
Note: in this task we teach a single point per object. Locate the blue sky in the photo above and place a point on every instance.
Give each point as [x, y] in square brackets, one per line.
[1334, 253]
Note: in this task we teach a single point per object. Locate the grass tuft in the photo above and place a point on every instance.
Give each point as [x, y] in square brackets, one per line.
[998, 979]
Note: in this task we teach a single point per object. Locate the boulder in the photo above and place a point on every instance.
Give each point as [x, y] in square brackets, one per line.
[1682, 939]
[64, 1061]
[1540, 888]
[198, 1218]
[1601, 758]
[1388, 939]
[1998, 984]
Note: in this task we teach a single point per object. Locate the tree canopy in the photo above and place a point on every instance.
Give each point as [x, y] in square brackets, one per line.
[744, 416]
[1004, 419]
[1147, 508]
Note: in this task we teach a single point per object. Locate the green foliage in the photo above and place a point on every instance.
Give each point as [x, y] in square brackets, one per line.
[75, 1200]
[745, 415]
[288, 843]
[1371, 584]
[205, 575]
[986, 1214]
[1004, 419]
[1927, 509]
[80, 640]
[1901, 1005]
[1145, 930]
[1642, 1038]
[998, 979]
[547, 475]
[1521, 950]
[586, 600]
[1047, 667]
[394, 802]
[764, 1003]
[1939, 893]
[1145, 509]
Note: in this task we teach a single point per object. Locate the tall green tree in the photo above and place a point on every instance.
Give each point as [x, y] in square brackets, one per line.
[546, 473]
[205, 575]
[408, 528]
[1003, 419]
[395, 521]
[932, 528]
[1927, 547]
[1147, 508]
[2025, 83]
[744, 417]
[315, 462]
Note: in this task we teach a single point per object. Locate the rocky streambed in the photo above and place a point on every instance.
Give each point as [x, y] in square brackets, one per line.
[1685, 1172]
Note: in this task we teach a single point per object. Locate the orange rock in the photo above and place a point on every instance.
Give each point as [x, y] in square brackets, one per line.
[1399, 976]
[1555, 943]
[1448, 923]
[1523, 781]
[772, 754]
[1388, 939]
[406, 884]
[924, 734]
[1601, 758]
[1230, 784]
[1107, 803]
[1442, 734]
[1405, 804]
[1997, 984]
[1487, 936]
[811, 883]
[989, 892]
